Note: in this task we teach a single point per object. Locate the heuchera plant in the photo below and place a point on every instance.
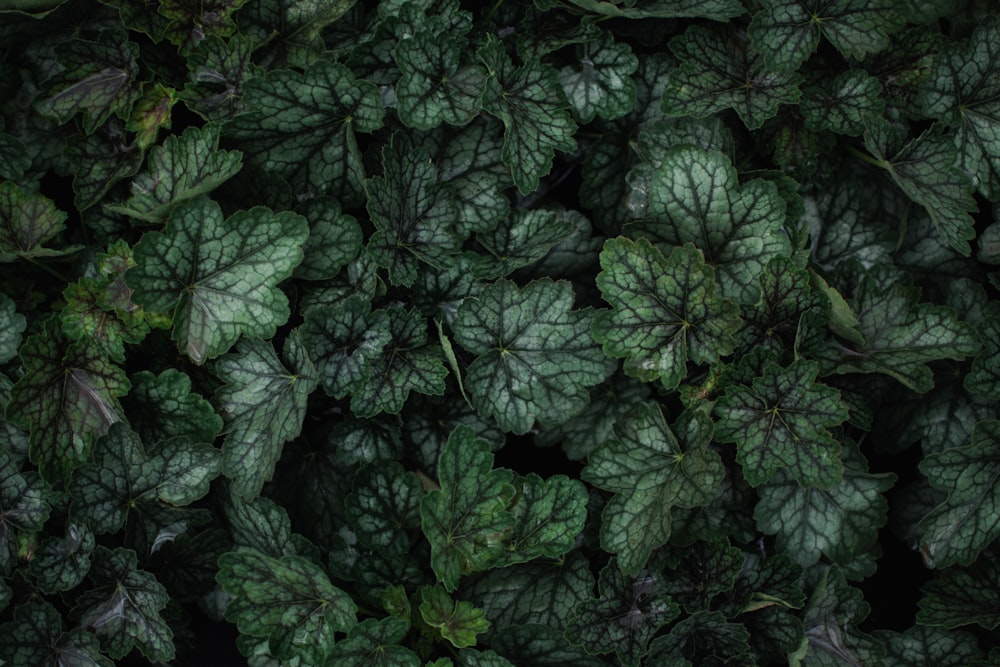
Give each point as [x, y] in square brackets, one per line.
[553, 333]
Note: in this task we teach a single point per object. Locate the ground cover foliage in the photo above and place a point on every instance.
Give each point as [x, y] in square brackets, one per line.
[535, 333]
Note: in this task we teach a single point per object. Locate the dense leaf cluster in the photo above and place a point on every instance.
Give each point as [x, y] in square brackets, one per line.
[283, 279]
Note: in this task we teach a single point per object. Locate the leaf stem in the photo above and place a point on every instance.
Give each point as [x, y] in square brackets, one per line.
[47, 269]
[867, 158]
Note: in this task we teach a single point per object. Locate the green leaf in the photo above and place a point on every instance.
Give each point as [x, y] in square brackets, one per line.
[787, 32]
[724, 71]
[151, 113]
[535, 357]
[469, 166]
[957, 530]
[124, 607]
[12, 324]
[412, 214]
[261, 525]
[785, 295]
[302, 127]
[62, 562]
[335, 239]
[23, 509]
[529, 101]
[843, 103]
[983, 379]
[458, 621]
[922, 646]
[14, 157]
[190, 21]
[840, 523]
[780, 422]
[548, 516]
[642, 600]
[97, 78]
[962, 596]
[384, 504]
[27, 220]
[344, 342]
[600, 82]
[525, 238]
[542, 646]
[650, 473]
[842, 228]
[435, 86]
[962, 90]
[124, 478]
[608, 403]
[542, 593]
[67, 397]
[99, 161]
[304, 23]
[697, 573]
[181, 168]
[217, 70]
[374, 642]
[219, 278]
[35, 638]
[407, 364]
[903, 336]
[466, 519]
[695, 197]
[715, 10]
[263, 405]
[926, 169]
[703, 638]
[665, 311]
[288, 600]
[163, 406]
[831, 618]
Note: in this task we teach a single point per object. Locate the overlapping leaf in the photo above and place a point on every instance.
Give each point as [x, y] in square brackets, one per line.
[435, 85]
[787, 32]
[23, 507]
[535, 357]
[163, 406]
[285, 600]
[665, 311]
[721, 70]
[35, 638]
[781, 422]
[123, 477]
[957, 530]
[181, 168]
[27, 220]
[124, 608]
[302, 126]
[263, 404]
[529, 101]
[695, 197]
[227, 286]
[650, 473]
[963, 91]
[466, 519]
[600, 82]
[67, 397]
[414, 217]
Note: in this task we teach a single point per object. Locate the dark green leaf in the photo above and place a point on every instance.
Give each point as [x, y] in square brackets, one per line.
[182, 168]
[831, 618]
[12, 325]
[163, 406]
[716, 10]
[600, 82]
[228, 285]
[335, 239]
[724, 71]
[302, 127]
[27, 220]
[435, 86]
[787, 32]
[23, 507]
[535, 357]
[374, 643]
[217, 71]
[922, 646]
[524, 239]
[695, 197]
[957, 530]
[529, 101]
[67, 397]
[458, 621]
[548, 516]
[124, 607]
[384, 504]
[263, 405]
[61, 563]
[466, 519]
[665, 312]
[962, 596]
[649, 472]
[288, 600]
[35, 638]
